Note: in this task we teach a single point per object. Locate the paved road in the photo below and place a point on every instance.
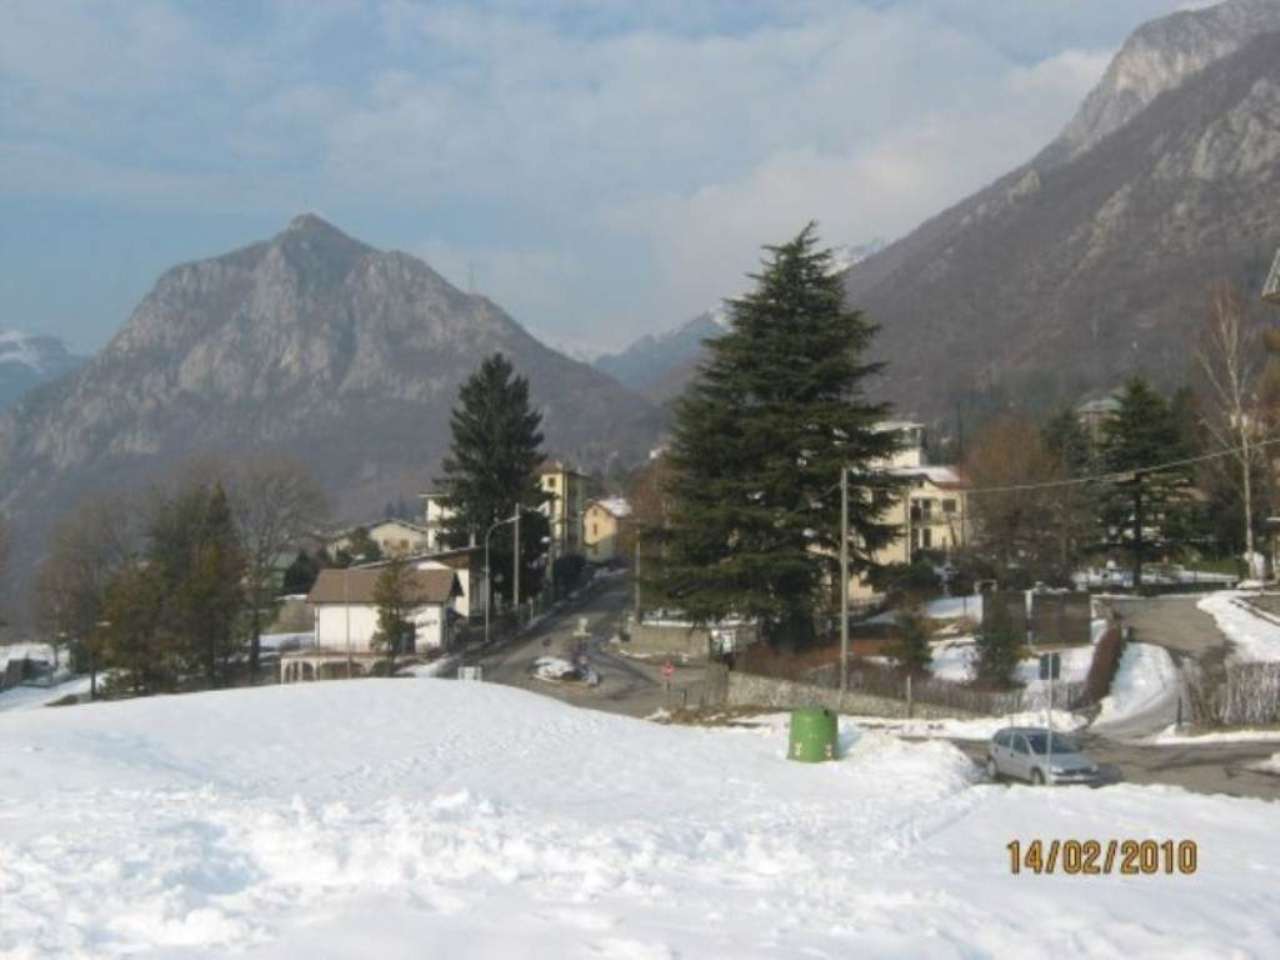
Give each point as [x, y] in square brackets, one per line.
[1219, 768]
[626, 685]
[1175, 623]
[1189, 634]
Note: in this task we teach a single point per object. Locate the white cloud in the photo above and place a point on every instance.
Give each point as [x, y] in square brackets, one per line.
[609, 164]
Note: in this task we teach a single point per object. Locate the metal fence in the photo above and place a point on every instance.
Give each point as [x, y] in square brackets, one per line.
[885, 681]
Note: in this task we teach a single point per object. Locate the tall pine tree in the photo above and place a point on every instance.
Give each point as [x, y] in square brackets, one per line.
[759, 441]
[492, 467]
[1152, 512]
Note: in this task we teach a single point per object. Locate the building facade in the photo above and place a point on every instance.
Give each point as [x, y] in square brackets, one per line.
[566, 495]
[602, 523]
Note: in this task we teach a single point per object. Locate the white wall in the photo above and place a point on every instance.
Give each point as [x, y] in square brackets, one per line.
[331, 626]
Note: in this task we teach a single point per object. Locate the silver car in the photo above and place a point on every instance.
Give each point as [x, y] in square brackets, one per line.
[1024, 753]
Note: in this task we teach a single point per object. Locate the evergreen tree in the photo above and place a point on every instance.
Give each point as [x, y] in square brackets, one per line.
[1070, 507]
[135, 641]
[492, 467]
[912, 651]
[760, 439]
[393, 594]
[301, 574]
[999, 649]
[1151, 510]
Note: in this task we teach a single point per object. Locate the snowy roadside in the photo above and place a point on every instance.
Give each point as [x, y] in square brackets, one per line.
[1170, 736]
[1143, 694]
[1255, 638]
[400, 819]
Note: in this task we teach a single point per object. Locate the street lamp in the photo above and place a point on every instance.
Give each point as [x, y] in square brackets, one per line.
[515, 564]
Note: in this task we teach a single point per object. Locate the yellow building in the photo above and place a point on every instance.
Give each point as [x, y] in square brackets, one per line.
[931, 512]
[566, 490]
[602, 522]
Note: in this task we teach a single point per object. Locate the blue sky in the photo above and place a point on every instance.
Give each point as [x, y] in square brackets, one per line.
[603, 168]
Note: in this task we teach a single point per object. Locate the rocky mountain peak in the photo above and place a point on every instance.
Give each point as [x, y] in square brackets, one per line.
[1159, 56]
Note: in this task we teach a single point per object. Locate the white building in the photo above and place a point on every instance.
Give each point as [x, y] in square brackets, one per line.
[346, 614]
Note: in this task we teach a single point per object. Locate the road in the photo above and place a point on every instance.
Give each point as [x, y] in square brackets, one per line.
[1218, 768]
[1189, 634]
[626, 685]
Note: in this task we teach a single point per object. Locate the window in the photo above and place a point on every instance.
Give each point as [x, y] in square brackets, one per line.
[948, 506]
[927, 537]
[1020, 745]
[915, 537]
[595, 529]
[551, 482]
[1002, 738]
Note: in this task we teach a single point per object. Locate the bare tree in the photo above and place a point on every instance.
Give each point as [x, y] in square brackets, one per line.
[4, 556]
[1012, 519]
[88, 547]
[276, 503]
[1229, 361]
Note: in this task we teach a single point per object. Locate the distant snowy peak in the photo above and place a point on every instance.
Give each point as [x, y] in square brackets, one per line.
[28, 350]
[845, 256]
[28, 359]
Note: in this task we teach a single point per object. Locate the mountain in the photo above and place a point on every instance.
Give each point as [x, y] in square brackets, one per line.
[659, 366]
[1095, 259]
[311, 343]
[28, 360]
[643, 365]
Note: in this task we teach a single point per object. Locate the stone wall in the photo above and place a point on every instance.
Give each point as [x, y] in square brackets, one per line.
[673, 640]
[751, 690]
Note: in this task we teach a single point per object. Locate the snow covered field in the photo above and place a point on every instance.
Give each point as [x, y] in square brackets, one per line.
[424, 818]
[1255, 638]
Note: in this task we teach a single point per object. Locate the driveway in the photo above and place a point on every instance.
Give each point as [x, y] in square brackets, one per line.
[1189, 634]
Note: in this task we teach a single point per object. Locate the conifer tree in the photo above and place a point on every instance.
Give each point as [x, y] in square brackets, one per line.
[759, 441]
[492, 467]
[393, 594]
[1151, 510]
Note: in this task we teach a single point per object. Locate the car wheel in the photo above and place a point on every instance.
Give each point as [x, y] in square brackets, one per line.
[1037, 778]
[992, 770]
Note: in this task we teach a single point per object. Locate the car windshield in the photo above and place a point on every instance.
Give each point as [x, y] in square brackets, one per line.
[1061, 743]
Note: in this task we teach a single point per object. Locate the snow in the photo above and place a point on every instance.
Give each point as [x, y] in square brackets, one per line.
[25, 651]
[29, 698]
[981, 728]
[553, 668]
[1170, 735]
[943, 608]
[20, 348]
[1270, 765]
[287, 641]
[439, 667]
[1143, 679]
[617, 506]
[1255, 637]
[432, 818]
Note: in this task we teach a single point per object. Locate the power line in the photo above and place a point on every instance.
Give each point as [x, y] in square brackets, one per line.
[1118, 475]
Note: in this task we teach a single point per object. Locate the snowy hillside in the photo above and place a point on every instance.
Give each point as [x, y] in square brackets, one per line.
[469, 820]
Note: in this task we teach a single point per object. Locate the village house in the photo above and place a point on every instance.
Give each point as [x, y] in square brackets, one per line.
[436, 514]
[602, 523]
[566, 492]
[391, 536]
[346, 621]
[931, 511]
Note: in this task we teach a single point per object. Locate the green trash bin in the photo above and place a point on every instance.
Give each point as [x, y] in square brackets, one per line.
[813, 735]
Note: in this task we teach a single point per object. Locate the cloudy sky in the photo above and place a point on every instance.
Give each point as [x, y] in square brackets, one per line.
[601, 168]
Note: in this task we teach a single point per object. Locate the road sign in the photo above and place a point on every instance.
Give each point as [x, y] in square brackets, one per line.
[1050, 666]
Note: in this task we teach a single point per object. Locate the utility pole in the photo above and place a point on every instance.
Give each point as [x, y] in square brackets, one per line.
[515, 566]
[844, 578]
[1137, 531]
[636, 574]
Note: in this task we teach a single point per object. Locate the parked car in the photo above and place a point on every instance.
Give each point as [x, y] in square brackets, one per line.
[1024, 753]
